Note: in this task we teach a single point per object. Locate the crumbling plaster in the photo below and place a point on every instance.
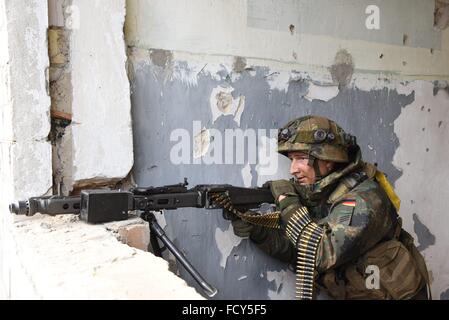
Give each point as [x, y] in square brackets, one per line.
[90, 84]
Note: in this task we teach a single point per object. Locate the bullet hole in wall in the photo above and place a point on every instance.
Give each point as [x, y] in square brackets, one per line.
[291, 28]
[405, 40]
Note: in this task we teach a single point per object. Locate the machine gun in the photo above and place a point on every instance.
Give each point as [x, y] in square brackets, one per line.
[99, 206]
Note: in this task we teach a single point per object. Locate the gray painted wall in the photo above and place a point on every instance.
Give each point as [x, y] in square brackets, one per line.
[160, 106]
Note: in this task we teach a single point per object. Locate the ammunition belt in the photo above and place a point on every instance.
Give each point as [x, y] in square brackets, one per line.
[305, 236]
[300, 230]
[269, 220]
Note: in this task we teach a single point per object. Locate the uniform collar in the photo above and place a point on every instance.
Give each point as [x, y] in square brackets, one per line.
[322, 188]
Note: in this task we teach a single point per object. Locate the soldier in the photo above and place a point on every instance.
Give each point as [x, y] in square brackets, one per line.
[338, 220]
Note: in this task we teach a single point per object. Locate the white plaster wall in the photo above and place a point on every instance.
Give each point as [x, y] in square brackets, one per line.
[101, 121]
[220, 27]
[25, 103]
[422, 129]
[5, 95]
[25, 153]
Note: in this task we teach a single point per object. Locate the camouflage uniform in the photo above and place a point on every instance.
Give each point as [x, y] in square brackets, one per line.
[347, 212]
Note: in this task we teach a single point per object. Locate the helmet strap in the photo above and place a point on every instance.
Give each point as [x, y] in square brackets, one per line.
[314, 163]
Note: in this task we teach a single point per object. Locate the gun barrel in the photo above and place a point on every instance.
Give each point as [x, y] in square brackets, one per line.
[46, 205]
[14, 208]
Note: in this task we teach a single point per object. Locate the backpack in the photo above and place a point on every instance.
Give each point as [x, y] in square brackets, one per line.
[401, 268]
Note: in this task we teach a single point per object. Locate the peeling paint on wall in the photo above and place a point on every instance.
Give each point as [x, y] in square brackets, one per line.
[240, 109]
[423, 184]
[278, 80]
[187, 75]
[246, 175]
[226, 241]
[281, 283]
[321, 92]
[222, 103]
[270, 161]
[425, 237]
[201, 143]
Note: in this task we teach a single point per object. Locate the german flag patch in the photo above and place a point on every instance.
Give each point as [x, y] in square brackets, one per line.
[349, 203]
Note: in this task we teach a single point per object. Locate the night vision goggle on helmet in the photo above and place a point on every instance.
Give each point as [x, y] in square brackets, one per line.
[317, 136]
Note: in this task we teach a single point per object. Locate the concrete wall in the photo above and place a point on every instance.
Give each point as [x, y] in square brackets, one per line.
[25, 153]
[80, 261]
[93, 144]
[255, 65]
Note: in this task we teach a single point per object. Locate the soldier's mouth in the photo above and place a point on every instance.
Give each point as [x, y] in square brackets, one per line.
[301, 179]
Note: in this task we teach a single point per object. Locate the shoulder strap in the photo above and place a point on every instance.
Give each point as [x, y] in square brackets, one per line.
[347, 183]
[388, 188]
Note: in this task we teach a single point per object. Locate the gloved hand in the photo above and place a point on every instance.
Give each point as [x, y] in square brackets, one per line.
[284, 188]
[242, 228]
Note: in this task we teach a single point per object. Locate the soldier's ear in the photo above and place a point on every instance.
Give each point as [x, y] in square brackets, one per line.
[330, 165]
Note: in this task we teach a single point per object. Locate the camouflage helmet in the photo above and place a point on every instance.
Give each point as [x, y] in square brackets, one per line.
[317, 136]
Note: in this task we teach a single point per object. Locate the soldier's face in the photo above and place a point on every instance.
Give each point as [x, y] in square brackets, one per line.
[304, 173]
